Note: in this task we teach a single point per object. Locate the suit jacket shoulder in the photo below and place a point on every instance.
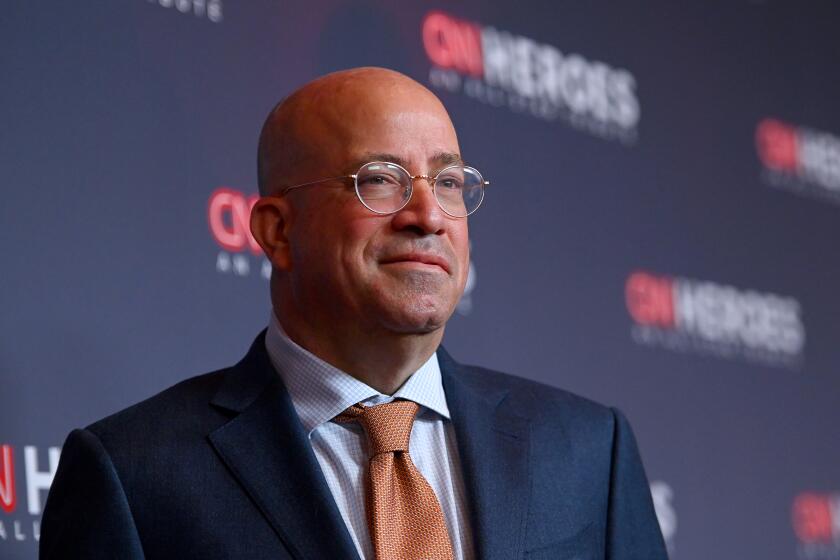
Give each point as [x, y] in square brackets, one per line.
[550, 411]
[180, 400]
[568, 467]
[185, 474]
[537, 399]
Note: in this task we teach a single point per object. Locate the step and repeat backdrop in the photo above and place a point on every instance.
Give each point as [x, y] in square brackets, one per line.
[661, 233]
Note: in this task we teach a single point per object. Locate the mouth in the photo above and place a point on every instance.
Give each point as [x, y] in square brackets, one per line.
[420, 259]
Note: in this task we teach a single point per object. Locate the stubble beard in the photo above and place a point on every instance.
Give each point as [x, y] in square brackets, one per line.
[418, 302]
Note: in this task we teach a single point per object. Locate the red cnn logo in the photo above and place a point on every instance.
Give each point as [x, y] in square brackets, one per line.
[777, 145]
[229, 217]
[451, 43]
[650, 299]
[7, 479]
[813, 518]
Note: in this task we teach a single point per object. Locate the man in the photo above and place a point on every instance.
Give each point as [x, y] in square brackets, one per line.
[347, 431]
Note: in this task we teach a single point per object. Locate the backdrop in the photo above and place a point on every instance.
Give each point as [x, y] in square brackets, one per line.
[661, 232]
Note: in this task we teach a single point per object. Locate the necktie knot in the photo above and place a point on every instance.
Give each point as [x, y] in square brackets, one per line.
[388, 425]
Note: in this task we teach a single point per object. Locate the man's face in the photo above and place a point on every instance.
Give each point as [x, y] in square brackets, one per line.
[402, 272]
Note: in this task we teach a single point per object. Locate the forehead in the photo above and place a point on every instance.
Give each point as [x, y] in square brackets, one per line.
[408, 136]
[434, 160]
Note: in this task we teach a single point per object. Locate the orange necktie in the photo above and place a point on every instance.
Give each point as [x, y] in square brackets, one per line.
[404, 515]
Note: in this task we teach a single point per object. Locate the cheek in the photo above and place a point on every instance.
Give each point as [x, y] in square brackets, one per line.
[358, 231]
[461, 246]
[330, 234]
[357, 241]
[315, 249]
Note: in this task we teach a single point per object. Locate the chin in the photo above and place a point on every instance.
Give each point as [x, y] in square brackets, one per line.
[416, 316]
[413, 303]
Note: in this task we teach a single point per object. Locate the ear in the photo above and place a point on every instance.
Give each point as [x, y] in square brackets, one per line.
[270, 222]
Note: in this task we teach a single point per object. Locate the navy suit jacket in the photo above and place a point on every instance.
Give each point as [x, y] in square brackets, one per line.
[219, 466]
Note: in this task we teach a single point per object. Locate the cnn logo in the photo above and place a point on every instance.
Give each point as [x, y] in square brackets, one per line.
[650, 299]
[816, 517]
[451, 43]
[229, 218]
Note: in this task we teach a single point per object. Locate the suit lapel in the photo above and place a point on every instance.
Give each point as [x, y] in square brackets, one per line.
[267, 451]
[493, 445]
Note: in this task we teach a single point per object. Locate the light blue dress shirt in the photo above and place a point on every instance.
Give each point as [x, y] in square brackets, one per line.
[320, 392]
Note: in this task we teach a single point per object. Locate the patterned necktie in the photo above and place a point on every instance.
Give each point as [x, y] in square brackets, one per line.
[404, 515]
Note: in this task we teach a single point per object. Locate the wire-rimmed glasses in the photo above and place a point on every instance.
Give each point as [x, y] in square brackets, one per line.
[384, 187]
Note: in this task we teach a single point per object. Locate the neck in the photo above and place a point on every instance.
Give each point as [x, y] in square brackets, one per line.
[382, 360]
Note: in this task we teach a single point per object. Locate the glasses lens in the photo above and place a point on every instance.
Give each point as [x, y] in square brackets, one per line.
[383, 187]
[459, 190]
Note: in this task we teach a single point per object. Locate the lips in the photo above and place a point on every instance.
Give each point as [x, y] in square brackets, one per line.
[423, 258]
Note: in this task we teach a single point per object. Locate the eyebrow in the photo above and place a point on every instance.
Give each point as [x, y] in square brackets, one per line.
[438, 158]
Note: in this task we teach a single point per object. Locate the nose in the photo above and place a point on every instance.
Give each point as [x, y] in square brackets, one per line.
[422, 213]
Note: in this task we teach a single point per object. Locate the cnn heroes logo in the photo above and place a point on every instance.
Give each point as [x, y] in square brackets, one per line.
[23, 493]
[502, 69]
[229, 218]
[682, 314]
[799, 159]
[210, 9]
[816, 522]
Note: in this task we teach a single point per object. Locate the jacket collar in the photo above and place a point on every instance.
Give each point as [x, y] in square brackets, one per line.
[493, 443]
[266, 449]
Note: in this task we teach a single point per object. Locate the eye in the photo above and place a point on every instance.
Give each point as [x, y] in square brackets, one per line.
[378, 180]
[379, 186]
[450, 181]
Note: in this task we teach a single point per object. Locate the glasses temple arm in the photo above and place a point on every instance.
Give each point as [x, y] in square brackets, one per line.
[284, 190]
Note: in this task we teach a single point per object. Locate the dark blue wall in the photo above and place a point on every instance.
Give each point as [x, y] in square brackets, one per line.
[661, 233]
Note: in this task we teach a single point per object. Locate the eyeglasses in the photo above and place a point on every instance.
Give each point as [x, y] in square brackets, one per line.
[385, 188]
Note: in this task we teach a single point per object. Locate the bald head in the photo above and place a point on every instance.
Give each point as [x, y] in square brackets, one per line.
[308, 131]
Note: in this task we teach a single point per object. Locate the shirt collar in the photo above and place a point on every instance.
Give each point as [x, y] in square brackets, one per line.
[320, 391]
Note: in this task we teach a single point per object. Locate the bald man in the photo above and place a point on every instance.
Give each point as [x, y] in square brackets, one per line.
[347, 431]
